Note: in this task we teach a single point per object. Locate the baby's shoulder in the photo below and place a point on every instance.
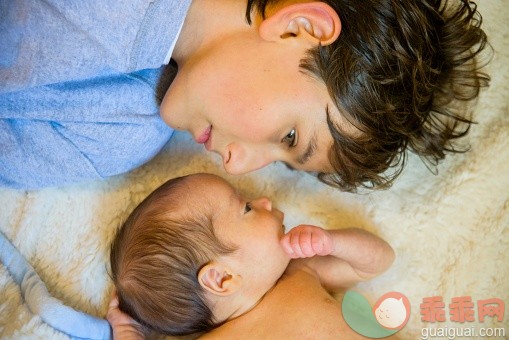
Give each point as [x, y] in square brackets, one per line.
[301, 267]
[300, 278]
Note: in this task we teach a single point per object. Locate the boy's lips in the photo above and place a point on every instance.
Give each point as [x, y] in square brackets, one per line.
[204, 137]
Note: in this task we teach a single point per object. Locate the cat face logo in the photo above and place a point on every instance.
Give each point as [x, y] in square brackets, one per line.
[392, 310]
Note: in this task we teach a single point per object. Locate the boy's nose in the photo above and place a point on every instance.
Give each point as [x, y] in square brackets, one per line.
[243, 159]
[263, 202]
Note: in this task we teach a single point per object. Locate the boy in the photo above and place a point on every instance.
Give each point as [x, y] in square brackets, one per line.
[196, 257]
[337, 88]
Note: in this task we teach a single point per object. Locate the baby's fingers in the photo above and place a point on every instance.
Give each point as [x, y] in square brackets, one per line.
[298, 243]
[293, 243]
[302, 241]
[287, 247]
[291, 246]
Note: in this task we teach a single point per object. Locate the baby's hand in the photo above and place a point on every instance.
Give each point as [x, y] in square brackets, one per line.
[124, 327]
[307, 241]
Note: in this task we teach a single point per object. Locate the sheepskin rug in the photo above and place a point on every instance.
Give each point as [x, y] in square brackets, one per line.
[450, 230]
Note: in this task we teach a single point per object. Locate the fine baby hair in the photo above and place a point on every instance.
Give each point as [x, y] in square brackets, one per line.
[156, 256]
[397, 73]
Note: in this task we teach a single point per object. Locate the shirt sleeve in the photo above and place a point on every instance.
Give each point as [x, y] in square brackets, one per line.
[78, 87]
[52, 41]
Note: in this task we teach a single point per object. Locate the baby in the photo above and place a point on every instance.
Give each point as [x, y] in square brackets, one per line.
[196, 257]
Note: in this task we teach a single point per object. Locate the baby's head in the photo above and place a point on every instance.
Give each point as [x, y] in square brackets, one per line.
[188, 257]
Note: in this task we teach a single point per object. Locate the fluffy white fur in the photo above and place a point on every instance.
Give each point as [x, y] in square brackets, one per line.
[450, 231]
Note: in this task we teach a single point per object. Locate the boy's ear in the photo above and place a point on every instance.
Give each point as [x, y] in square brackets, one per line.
[217, 279]
[315, 21]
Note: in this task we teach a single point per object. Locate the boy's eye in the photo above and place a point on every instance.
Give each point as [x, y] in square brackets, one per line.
[290, 139]
[247, 208]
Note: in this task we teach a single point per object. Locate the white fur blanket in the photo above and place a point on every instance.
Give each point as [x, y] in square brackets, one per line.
[450, 231]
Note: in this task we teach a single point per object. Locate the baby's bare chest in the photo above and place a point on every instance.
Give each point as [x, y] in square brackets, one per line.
[297, 308]
[303, 306]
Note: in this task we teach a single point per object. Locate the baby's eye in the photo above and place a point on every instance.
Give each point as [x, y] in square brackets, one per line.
[247, 207]
[290, 139]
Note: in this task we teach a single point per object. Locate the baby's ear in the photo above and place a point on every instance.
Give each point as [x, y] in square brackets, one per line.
[218, 279]
[314, 21]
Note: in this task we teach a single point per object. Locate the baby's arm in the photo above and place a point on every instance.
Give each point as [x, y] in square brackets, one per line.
[339, 257]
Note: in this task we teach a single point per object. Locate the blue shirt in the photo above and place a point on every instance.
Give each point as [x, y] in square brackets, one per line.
[80, 86]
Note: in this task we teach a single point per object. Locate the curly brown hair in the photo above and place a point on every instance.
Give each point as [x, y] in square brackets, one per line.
[397, 73]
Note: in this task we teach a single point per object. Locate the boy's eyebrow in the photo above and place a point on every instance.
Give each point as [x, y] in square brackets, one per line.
[310, 150]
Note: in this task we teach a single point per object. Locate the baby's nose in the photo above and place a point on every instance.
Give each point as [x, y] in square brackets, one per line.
[265, 203]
